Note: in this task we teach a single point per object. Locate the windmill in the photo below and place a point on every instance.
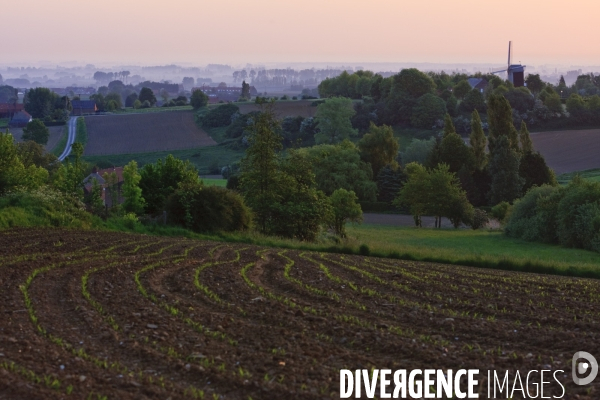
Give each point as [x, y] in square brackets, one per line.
[516, 72]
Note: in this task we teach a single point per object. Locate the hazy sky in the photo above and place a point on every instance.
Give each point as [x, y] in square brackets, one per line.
[240, 31]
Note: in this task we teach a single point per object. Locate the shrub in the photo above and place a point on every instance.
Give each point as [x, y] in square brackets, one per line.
[208, 209]
[480, 219]
[364, 250]
[500, 210]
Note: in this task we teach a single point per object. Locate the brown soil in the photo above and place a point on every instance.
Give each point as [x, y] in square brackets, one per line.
[569, 151]
[56, 132]
[285, 108]
[131, 316]
[144, 133]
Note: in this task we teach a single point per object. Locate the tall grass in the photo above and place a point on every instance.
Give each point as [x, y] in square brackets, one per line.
[81, 135]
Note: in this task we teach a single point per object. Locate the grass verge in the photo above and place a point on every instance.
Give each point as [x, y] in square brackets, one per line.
[81, 135]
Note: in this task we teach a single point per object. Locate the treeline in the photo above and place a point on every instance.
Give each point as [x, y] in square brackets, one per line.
[421, 99]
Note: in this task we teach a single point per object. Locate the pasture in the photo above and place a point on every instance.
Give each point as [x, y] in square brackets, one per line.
[143, 133]
[120, 316]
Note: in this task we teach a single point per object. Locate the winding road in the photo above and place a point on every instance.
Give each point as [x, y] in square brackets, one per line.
[70, 138]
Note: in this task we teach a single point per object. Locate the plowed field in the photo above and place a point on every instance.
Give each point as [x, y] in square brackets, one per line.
[144, 133]
[103, 315]
[569, 151]
[290, 108]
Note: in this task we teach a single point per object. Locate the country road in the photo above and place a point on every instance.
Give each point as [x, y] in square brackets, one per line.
[70, 138]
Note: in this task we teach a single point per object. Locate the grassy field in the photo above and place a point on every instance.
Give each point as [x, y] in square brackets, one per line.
[469, 247]
[215, 182]
[591, 174]
[202, 157]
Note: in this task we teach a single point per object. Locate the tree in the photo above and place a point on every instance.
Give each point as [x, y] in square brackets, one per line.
[13, 172]
[461, 89]
[428, 109]
[134, 202]
[473, 101]
[576, 107]
[501, 122]
[198, 99]
[164, 95]
[260, 178]
[448, 125]
[455, 153]
[478, 142]
[333, 120]
[116, 99]
[188, 82]
[526, 143]
[36, 131]
[436, 192]
[535, 172]
[345, 208]
[40, 102]
[245, 91]
[379, 147]
[131, 99]
[302, 208]
[146, 94]
[158, 181]
[69, 176]
[389, 183]
[534, 83]
[504, 166]
[414, 82]
[414, 192]
[340, 167]
[32, 153]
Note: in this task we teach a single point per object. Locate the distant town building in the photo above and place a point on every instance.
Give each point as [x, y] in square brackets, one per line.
[478, 83]
[224, 93]
[83, 107]
[20, 119]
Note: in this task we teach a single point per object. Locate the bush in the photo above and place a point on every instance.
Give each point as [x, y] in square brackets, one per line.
[208, 209]
[500, 210]
[480, 219]
[43, 207]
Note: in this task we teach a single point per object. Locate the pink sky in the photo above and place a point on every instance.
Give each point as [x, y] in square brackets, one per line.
[240, 31]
